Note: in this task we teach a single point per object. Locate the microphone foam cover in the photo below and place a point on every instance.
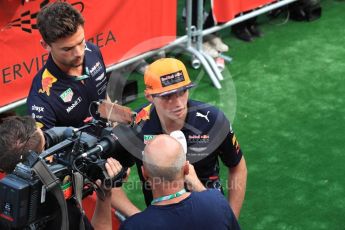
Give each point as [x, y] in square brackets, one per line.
[179, 136]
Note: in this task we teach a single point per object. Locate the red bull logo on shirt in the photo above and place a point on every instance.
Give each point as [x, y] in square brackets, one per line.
[205, 138]
[143, 115]
[235, 143]
[47, 82]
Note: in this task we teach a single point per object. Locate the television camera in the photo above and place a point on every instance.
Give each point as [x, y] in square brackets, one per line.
[69, 167]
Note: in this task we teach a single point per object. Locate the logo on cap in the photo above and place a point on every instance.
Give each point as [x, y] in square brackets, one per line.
[171, 79]
[165, 76]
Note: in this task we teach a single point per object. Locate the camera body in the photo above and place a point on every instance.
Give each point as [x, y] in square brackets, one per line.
[26, 202]
[24, 199]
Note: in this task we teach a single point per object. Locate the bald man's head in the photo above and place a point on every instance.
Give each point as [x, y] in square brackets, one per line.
[164, 158]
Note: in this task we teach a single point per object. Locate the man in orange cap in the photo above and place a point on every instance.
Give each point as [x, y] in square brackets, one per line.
[207, 131]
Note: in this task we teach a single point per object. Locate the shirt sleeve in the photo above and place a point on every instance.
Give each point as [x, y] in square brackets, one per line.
[230, 151]
[42, 112]
[127, 224]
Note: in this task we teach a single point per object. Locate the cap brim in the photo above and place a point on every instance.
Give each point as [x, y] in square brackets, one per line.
[191, 85]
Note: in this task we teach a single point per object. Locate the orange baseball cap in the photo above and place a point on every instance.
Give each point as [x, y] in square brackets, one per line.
[166, 76]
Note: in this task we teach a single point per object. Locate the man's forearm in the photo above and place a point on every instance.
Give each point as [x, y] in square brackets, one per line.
[121, 203]
[237, 180]
[101, 218]
[192, 180]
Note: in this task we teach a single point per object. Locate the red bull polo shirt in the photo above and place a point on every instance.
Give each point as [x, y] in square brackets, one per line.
[58, 99]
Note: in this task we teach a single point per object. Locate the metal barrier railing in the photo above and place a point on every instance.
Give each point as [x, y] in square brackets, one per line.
[216, 76]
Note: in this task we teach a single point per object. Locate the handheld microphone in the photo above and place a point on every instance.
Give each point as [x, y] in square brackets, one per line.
[179, 136]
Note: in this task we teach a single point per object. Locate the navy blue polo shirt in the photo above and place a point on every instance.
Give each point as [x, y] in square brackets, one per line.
[201, 210]
[209, 136]
[58, 99]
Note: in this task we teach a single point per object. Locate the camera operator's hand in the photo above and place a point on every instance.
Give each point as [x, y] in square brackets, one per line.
[192, 180]
[113, 168]
[102, 216]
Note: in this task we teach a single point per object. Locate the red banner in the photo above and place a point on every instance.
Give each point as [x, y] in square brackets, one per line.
[253, 4]
[225, 10]
[122, 29]
[89, 205]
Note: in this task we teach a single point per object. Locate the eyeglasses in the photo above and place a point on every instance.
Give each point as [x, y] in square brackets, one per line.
[25, 144]
[170, 96]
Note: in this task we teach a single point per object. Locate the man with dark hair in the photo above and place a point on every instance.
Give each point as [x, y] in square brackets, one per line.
[166, 170]
[6, 114]
[74, 76]
[63, 91]
[18, 135]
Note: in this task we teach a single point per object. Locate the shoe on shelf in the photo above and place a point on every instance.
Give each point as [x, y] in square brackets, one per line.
[254, 30]
[217, 43]
[243, 34]
[208, 49]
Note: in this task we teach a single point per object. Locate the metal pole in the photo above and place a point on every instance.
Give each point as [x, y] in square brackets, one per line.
[12, 105]
[200, 24]
[206, 65]
[189, 22]
[210, 61]
[213, 66]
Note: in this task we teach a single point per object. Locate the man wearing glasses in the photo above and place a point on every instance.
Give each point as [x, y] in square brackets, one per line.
[18, 136]
[207, 131]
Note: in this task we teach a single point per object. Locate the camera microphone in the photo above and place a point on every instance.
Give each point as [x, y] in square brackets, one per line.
[107, 144]
[179, 136]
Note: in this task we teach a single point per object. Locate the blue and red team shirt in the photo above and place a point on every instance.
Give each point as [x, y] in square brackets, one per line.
[58, 99]
[208, 134]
